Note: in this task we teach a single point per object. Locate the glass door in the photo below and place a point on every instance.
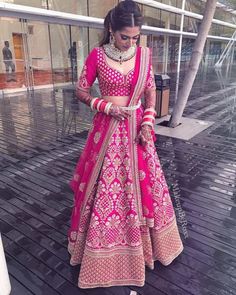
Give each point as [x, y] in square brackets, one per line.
[12, 57]
[25, 62]
[38, 64]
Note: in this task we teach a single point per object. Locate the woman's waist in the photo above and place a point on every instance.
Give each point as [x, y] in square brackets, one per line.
[122, 101]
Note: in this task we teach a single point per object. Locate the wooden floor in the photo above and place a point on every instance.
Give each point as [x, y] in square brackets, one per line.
[39, 147]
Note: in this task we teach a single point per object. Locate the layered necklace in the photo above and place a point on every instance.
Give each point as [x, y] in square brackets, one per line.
[117, 55]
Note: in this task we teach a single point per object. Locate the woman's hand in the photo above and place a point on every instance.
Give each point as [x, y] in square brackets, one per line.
[118, 113]
[145, 135]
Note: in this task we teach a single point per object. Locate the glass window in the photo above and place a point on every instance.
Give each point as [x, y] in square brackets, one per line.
[35, 3]
[70, 6]
[69, 47]
[228, 32]
[94, 37]
[164, 19]
[100, 8]
[195, 6]
[175, 21]
[157, 53]
[191, 24]
[176, 3]
[60, 44]
[151, 16]
[173, 54]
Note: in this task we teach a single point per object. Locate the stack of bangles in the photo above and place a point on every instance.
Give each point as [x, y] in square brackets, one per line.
[149, 117]
[100, 105]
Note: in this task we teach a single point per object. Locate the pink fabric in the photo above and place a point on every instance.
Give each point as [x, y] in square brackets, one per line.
[94, 143]
[84, 167]
[111, 81]
[123, 217]
[89, 71]
[95, 65]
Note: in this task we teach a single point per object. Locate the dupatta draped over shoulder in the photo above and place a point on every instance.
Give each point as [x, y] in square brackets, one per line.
[123, 217]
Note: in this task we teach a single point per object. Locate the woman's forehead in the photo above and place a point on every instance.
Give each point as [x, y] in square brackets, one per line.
[130, 31]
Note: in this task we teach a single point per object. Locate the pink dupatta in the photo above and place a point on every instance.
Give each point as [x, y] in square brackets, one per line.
[89, 165]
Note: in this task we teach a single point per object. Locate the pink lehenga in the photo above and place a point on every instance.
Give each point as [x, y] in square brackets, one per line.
[123, 217]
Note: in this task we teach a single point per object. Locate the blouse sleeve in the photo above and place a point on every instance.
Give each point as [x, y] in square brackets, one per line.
[150, 88]
[87, 78]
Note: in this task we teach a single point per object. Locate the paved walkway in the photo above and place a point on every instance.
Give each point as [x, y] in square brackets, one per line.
[39, 146]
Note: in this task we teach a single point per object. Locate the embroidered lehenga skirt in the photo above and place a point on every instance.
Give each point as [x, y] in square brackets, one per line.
[125, 219]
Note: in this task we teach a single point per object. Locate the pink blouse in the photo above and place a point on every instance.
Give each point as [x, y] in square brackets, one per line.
[111, 81]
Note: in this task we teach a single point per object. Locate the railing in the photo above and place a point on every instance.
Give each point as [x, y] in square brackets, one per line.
[226, 52]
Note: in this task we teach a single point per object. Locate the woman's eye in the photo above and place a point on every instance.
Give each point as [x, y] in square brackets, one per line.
[126, 38]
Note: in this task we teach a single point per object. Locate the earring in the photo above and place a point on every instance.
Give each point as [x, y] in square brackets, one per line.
[112, 39]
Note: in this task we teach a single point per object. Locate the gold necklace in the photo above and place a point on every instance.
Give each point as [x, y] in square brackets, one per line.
[117, 55]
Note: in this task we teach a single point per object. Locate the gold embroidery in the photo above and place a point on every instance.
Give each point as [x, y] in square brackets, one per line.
[110, 236]
[97, 137]
[81, 186]
[76, 177]
[142, 175]
[83, 82]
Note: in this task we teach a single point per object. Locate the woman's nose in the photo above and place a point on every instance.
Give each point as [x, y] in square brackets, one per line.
[131, 42]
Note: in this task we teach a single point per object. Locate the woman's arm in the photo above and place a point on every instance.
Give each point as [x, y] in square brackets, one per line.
[150, 98]
[147, 126]
[84, 84]
[87, 78]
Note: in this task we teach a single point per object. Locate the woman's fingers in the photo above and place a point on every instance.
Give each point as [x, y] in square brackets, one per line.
[143, 141]
[125, 114]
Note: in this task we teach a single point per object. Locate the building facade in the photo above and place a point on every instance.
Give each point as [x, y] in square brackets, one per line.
[44, 42]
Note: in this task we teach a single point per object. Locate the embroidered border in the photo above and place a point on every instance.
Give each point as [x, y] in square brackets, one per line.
[144, 65]
[113, 125]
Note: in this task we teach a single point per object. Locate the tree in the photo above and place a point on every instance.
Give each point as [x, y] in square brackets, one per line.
[194, 64]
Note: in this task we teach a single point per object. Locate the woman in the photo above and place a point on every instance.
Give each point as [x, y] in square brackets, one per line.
[123, 218]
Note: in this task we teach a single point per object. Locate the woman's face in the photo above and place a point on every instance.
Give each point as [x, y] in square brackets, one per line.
[126, 38]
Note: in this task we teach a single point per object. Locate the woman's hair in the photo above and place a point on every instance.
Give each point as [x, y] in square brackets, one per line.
[126, 14]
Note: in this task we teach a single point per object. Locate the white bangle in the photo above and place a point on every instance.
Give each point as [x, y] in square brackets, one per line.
[92, 103]
[147, 123]
[98, 105]
[107, 108]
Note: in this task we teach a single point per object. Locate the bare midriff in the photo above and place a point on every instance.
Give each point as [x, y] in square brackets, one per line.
[117, 100]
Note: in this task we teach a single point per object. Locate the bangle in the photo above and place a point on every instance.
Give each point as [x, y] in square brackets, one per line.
[107, 108]
[100, 105]
[147, 123]
[152, 110]
[149, 117]
[92, 103]
[148, 120]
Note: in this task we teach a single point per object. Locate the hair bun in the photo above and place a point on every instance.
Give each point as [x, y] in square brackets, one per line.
[129, 5]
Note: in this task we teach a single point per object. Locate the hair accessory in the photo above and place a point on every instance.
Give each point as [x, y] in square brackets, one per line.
[132, 20]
